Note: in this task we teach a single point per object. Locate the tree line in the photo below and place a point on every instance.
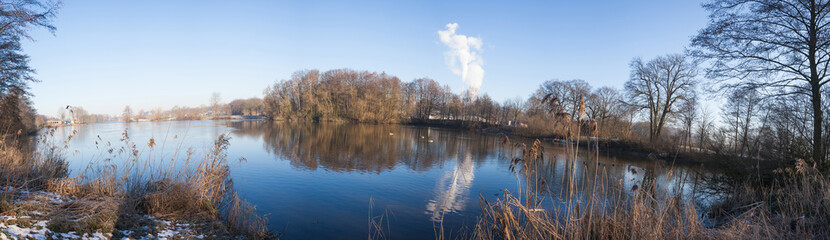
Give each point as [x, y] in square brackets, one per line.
[17, 18]
[767, 58]
[363, 96]
[658, 105]
[215, 110]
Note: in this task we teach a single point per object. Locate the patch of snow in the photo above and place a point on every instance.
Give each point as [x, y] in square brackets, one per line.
[39, 231]
[69, 235]
[96, 236]
[17, 232]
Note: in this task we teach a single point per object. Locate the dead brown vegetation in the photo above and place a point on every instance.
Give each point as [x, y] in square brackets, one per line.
[132, 182]
[795, 206]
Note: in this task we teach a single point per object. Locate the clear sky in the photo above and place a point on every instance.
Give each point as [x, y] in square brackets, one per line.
[149, 54]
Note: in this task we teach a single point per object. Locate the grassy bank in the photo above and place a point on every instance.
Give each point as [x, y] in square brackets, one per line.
[129, 192]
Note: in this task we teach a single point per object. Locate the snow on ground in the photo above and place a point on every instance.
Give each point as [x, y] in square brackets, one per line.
[29, 227]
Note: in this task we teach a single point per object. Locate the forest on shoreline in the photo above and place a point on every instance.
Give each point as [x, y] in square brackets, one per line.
[768, 60]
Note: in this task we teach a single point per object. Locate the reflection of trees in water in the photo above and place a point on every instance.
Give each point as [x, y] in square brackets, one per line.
[371, 148]
[364, 147]
[620, 175]
[345, 147]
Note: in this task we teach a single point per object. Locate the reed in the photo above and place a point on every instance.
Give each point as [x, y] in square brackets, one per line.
[795, 206]
[135, 179]
[22, 168]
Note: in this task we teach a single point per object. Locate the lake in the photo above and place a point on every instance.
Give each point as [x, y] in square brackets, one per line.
[328, 180]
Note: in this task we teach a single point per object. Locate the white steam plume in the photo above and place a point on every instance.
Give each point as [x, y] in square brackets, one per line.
[463, 57]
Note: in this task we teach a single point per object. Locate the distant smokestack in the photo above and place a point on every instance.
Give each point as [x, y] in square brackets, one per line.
[472, 93]
[463, 57]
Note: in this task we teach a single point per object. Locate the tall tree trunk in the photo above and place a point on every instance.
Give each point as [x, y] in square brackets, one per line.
[747, 122]
[652, 126]
[662, 120]
[815, 84]
[818, 117]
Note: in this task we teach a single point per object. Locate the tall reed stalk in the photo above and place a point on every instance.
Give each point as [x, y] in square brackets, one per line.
[134, 179]
[797, 206]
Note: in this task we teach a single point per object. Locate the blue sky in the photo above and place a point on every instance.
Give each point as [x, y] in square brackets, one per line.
[150, 54]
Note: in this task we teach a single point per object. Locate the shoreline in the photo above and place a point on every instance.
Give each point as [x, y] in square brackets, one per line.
[606, 146]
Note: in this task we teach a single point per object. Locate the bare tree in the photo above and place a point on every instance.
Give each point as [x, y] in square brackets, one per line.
[62, 113]
[156, 114]
[247, 107]
[688, 116]
[513, 110]
[141, 114]
[79, 114]
[602, 103]
[704, 127]
[215, 104]
[127, 115]
[568, 92]
[779, 44]
[427, 96]
[740, 111]
[657, 85]
[577, 90]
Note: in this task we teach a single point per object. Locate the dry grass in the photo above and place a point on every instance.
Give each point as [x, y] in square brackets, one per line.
[797, 206]
[21, 168]
[132, 180]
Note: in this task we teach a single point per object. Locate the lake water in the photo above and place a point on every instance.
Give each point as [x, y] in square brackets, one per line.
[317, 180]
